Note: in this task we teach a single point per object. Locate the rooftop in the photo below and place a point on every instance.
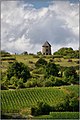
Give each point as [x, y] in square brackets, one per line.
[46, 44]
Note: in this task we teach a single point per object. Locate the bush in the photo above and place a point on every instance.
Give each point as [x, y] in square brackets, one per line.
[34, 82]
[41, 62]
[13, 81]
[20, 83]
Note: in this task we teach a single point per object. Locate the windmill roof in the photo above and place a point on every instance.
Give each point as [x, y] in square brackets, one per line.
[46, 44]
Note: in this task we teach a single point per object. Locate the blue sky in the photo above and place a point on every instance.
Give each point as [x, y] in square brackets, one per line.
[26, 25]
[45, 3]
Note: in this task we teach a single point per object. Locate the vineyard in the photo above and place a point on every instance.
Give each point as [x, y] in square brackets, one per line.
[15, 100]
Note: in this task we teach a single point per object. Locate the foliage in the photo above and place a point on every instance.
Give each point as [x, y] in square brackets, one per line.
[33, 82]
[39, 53]
[41, 109]
[4, 87]
[39, 70]
[54, 81]
[25, 53]
[68, 52]
[19, 70]
[5, 54]
[4, 82]
[71, 75]
[20, 83]
[51, 69]
[40, 62]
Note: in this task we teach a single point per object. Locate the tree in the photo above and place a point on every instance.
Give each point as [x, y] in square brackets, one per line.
[40, 62]
[25, 53]
[74, 104]
[68, 52]
[39, 53]
[41, 109]
[71, 75]
[51, 69]
[19, 70]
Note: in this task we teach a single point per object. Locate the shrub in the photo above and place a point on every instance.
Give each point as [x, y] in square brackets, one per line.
[40, 62]
[59, 82]
[34, 82]
[13, 80]
[48, 83]
[20, 83]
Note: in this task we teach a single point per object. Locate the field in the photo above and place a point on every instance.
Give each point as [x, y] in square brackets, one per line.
[16, 100]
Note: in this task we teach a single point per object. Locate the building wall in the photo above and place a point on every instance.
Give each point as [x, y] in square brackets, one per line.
[46, 50]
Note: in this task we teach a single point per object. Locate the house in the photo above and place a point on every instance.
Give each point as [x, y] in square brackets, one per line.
[46, 48]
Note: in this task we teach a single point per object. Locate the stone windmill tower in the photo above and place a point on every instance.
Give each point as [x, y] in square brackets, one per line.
[46, 48]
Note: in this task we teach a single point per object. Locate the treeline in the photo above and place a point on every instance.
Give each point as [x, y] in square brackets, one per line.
[62, 52]
[67, 53]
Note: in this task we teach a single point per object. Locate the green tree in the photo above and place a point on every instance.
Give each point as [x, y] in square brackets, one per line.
[51, 69]
[71, 75]
[74, 104]
[39, 53]
[40, 62]
[41, 109]
[19, 70]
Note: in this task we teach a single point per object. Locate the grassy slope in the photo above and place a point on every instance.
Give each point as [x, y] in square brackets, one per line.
[16, 100]
[27, 58]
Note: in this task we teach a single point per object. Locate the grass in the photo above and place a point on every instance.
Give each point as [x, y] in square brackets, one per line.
[27, 59]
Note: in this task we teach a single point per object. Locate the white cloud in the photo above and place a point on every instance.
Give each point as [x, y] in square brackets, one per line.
[24, 27]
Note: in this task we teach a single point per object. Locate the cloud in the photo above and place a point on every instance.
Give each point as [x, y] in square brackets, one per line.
[23, 27]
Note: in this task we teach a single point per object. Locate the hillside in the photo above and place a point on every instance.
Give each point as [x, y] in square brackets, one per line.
[30, 60]
[18, 100]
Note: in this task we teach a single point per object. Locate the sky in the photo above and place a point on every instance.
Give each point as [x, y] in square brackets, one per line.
[27, 24]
